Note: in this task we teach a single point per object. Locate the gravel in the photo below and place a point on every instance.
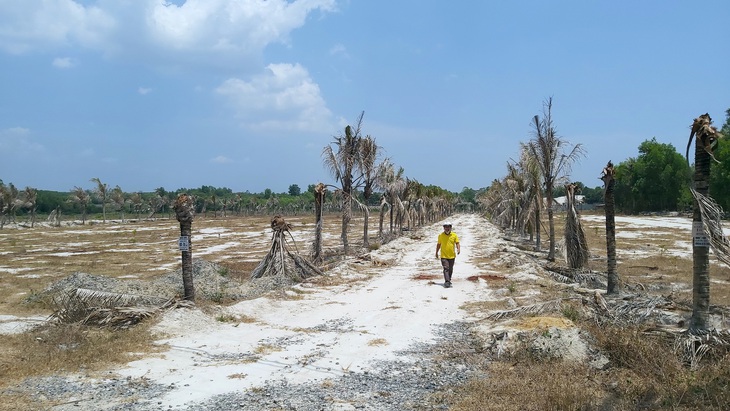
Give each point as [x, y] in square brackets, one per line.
[413, 382]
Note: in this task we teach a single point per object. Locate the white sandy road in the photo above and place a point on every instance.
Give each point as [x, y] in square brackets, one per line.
[331, 330]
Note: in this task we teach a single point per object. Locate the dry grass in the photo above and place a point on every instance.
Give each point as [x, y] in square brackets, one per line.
[66, 349]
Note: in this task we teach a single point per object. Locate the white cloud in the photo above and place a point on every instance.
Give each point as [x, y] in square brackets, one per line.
[27, 26]
[17, 140]
[221, 160]
[229, 25]
[339, 49]
[284, 98]
[144, 90]
[211, 32]
[63, 62]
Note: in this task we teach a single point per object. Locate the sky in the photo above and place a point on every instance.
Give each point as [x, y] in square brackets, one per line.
[245, 94]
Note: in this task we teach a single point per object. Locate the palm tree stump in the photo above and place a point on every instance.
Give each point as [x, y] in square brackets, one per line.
[609, 183]
[281, 261]
[185, 211]
[707, 138]
[319, 193]
[576, 246]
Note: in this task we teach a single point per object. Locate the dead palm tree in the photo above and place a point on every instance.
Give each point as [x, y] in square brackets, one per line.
[368, 156]
[280, 260]
[393, 183]
[101, 193]
[3, 203]
[137, 203]
[707, 137]
[185, 212]
[9, 203]
[118, 200]
[30, 196]
[319, 193]
[576, 247]
[531, 169]
[548, 149]
[81, 197]
[342, 161]
[609, 207]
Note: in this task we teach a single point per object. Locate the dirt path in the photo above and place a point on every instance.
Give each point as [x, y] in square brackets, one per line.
[319, 332]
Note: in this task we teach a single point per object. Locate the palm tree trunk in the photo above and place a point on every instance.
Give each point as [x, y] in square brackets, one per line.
[365, 239]
[346, 217]
[700, 251]
[538, 223]
[319, 192]
[187, 261]
[551, 223]
[184, 211]
[613, 283]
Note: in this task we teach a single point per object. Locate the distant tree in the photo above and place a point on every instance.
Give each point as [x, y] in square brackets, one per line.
[294, 190]
[311, 188]
[656, 180]
[267, 193]
[468, 195]
[101, 193]
[720, 173]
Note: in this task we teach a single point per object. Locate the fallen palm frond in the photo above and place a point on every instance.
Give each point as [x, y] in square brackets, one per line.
[576, 275]
[534, 309]
[712, 215]
[110, 299]
[637, 312]
[102, 308]
[692, 347]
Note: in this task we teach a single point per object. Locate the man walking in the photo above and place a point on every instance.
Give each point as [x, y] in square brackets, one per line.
[448, 243]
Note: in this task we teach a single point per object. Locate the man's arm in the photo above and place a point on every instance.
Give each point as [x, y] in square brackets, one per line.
[458, 248]
[438, 247]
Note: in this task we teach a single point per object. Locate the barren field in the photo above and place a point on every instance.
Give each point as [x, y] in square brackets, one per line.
[370, 308]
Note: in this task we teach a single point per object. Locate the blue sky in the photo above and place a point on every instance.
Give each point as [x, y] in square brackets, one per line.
[246, 93]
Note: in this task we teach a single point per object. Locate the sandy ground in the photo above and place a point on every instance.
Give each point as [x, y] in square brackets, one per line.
[395, 299]
[328, 332]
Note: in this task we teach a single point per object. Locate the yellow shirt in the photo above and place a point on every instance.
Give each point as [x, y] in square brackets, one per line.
[448, 244]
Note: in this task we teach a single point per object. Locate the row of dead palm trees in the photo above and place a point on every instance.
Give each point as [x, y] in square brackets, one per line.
[12, 200]
[516, 201]
[353, 161]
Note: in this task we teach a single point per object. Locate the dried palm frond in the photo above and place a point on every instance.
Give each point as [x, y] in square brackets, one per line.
[712, 215]
[92, 307]
[110, 299]
[692, 347]
[120, 316]
[281, 261]
[576, 247]
[534, 309]
[572, 275]
[635, 312]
